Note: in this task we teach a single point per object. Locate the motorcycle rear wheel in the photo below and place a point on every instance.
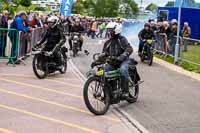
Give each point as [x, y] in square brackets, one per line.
[102, 96]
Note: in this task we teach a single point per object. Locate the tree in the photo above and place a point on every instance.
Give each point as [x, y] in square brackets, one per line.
[39, 9]
[25, 3]
[170, 3]
[105, 8]
[152, 7]
[128, 8]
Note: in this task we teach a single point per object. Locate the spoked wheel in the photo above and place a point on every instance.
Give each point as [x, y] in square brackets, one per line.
[150, 57]
[133, 92]
[96, 96]
[39, 67]
[64, 66]
[142, 58]
[74, 52]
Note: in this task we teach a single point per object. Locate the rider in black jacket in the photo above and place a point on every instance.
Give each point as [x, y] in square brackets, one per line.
[119, 48]
[53, 38]
[143, 35]
[77, 27]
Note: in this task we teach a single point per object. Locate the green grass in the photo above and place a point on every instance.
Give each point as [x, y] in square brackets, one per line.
[185, 65]
[193, 54]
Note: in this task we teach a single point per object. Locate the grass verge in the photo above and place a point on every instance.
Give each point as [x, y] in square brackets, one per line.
[185, 65]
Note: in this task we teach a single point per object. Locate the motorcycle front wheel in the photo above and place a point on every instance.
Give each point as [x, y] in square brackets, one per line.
[133, 92]
[39, 68]
[150, 57]
[64, 67]
[96, 96]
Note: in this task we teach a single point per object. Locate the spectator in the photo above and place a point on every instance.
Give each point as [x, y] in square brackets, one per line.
[34, 22]
[166, 34]
[93, 28]
[19, 23]
[186, 32]
[152, 24]
[172, 36]
[160, 28]
[3, 33]
[102, 27]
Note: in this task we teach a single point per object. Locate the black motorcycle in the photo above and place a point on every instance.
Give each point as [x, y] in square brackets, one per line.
[105, 88]
[75, 43]
[44, 62]
[147, 52]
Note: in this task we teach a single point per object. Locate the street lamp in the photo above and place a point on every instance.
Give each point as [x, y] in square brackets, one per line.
[178, 33]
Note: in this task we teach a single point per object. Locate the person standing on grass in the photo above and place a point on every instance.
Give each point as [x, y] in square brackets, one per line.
[186, 33]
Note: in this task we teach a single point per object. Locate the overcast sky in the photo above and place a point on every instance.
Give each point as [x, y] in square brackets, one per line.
[158, 2]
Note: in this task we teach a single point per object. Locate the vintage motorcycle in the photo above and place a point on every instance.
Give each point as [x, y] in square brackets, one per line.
[44, 62]
[147, 52]
[75, 43]
[103, 89]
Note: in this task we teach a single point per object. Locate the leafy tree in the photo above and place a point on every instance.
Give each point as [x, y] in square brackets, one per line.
[170, 3]
[25, 3]
[105, 8]
[39, 9]
[152, 7]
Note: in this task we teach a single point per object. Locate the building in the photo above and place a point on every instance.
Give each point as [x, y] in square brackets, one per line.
[52, 4]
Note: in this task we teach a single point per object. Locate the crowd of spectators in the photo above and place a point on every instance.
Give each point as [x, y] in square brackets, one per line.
[26, 22]
[167, 30]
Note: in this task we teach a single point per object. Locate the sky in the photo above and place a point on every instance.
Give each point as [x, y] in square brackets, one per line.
[158, 2]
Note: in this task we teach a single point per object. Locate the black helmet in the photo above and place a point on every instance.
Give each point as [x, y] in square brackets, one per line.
[147, 25]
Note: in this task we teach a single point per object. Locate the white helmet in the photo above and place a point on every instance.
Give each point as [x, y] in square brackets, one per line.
[54, 20]
[115, 26]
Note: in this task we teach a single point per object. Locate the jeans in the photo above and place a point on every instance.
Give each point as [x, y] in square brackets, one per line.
[141, 45]
[93, 33]
[124, 69]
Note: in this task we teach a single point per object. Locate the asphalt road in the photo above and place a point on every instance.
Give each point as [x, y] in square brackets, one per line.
[169, 102]
[52, 105]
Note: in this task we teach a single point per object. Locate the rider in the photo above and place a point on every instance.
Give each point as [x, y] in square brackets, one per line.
[119, 48]
[144, 35]
[77, 27]
[54, 38]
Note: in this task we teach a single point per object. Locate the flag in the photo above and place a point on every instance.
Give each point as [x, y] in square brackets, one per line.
[66, 7]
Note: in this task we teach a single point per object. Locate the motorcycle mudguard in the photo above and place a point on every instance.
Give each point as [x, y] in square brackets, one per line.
[134, 74]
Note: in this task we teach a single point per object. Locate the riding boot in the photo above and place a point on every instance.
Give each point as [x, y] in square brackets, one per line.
[81, 45]
[70, 45]
[125, 87]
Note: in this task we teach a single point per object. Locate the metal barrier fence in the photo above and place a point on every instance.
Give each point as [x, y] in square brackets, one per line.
[189, 49]
[9, 40]
[16, 45]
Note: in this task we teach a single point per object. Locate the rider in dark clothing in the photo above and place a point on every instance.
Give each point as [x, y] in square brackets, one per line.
[76, 28]
[116, 48]
[144, 35]
[54, 39]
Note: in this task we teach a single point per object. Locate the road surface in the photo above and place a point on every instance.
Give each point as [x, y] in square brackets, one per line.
[169, 102]
[52, 105]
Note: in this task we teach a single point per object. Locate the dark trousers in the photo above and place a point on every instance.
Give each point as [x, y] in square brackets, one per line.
[14, 42]
[141, 45]
[3, 41]
[56, 54]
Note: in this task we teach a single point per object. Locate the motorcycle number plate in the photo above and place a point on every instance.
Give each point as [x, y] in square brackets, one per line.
[100, 73]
